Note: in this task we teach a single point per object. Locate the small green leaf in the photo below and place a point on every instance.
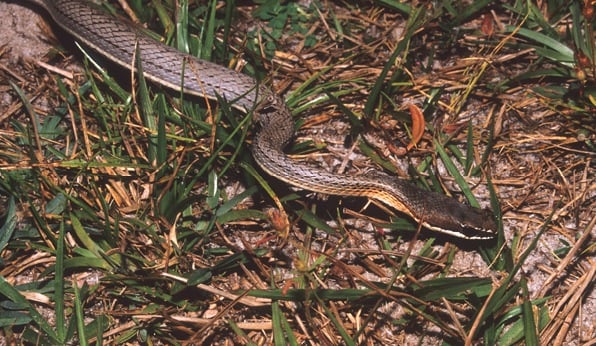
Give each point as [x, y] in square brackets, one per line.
[199, 276]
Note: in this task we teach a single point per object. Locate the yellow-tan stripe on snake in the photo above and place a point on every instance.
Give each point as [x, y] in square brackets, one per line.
[164, 65]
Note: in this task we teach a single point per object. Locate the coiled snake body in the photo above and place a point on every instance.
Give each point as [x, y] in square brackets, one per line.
[118, 41]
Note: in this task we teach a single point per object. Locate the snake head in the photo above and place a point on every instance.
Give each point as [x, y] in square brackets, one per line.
[433, 210]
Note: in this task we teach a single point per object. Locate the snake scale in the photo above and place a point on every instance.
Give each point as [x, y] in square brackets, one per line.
[118, 41]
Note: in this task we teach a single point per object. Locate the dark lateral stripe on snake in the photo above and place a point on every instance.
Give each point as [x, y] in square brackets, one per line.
[117, 40]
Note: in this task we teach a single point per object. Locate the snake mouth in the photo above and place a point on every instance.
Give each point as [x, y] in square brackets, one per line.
[464, 232]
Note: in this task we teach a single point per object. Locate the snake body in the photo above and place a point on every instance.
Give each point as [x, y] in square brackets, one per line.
[119, 41]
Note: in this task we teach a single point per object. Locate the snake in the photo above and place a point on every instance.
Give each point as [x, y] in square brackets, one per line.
[121, 42]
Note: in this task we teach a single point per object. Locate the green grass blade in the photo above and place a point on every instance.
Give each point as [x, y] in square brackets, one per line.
[454, 172]
[530, 328]
[182, 43]
[278, 330]
[79, 314]
[84, 236]
[208, 32]
[551, 49]
[10, 223]
[59, 284]
[147, 111]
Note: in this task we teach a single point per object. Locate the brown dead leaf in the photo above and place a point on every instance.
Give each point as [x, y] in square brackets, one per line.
[487, 26]
[418, 125]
